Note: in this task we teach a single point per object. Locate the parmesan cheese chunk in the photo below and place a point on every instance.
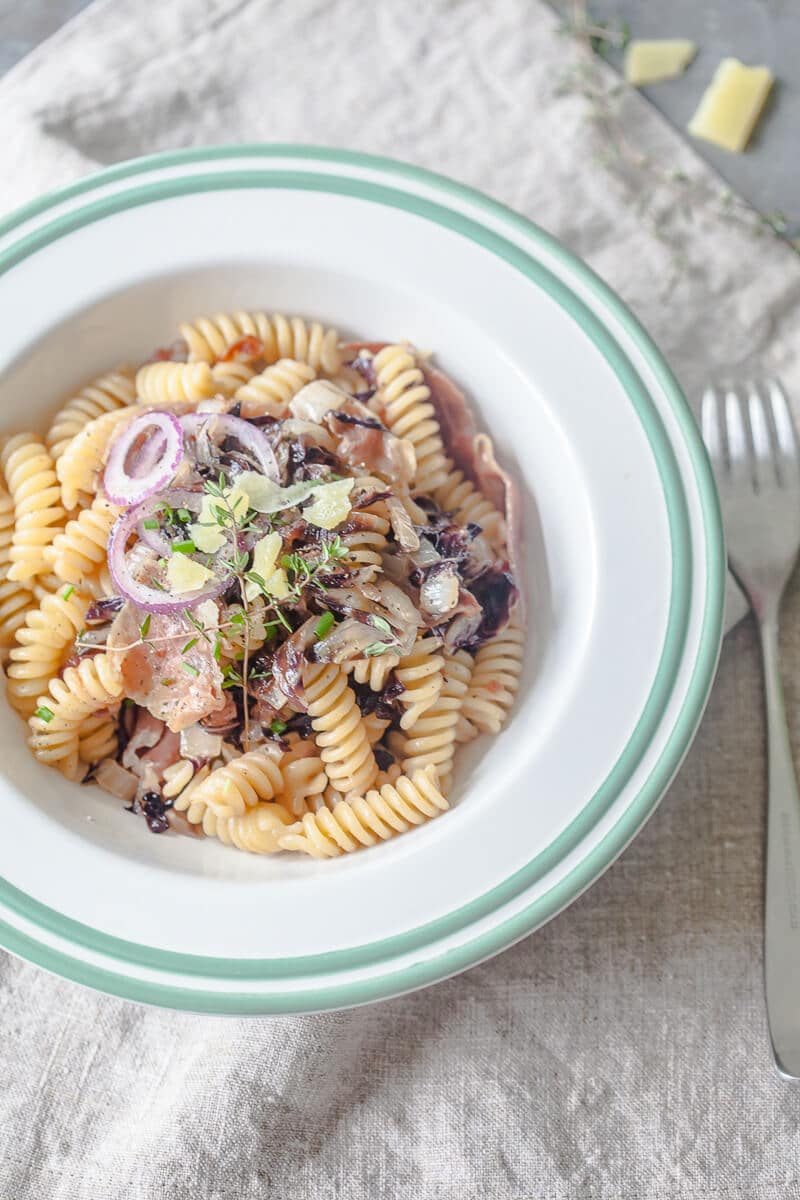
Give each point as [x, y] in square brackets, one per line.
[207, 533]
[186, 575]
[731, 104]
[331, 504]
[265, 556]
[653, 62]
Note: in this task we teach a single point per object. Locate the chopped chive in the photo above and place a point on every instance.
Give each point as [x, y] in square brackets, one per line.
[189, 644]
[184, 514]
[218, 648]
[144, 628]
[44, 713]
[189, 669]
[324, 624]
[187, 547]
[67, 592]
[150, 523]
[277, 726]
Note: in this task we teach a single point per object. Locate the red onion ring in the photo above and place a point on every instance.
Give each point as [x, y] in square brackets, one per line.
[125, 487]
[249, 436]
[141, 594]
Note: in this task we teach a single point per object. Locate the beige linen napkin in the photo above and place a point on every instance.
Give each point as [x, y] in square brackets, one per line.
[622, 1050]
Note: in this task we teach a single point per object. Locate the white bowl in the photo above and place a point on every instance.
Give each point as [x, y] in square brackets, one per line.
[625, 573]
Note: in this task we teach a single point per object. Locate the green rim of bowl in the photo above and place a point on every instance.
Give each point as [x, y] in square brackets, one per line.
[388, 982]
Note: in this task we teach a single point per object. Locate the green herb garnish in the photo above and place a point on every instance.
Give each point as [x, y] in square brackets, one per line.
[44, 713]
[67, 592]
[189, 644]
[150, 523]
[377, 648]
[324, 624]
[189, 669]
[144, 628]
[187, 547]
[277, 726]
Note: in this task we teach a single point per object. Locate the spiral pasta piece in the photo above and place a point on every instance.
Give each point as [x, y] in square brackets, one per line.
[408, 412]
[269, 393]
[210, 338]
[366, 820]
[495, 679]
[177, 777]
[97, 738]
[303, 773]
[255, 829]
[230, 376]
[433, 740]
[230, 790]
[375, 726]
[78, 469]
[339, 730]
[258, 830]
[103, 395]
[374, 671]
[37, 504]
[161, 384]
[365, 546]
[79, 552]
[55, 738]
[420, 673]
[43, 643]
[15, 600]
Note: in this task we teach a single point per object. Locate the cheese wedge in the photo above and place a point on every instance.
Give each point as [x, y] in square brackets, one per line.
[653, 62]
[731, 104]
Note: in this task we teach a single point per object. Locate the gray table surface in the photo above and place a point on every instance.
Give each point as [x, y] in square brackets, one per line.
[757, 31]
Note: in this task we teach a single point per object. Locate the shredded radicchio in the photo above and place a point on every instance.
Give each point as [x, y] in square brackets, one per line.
[104, 609]
[385, 704]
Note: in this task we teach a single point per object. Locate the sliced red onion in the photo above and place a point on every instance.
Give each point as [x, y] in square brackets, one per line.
[143, 595]
[222, 425]
[175, 498]
[131, 482]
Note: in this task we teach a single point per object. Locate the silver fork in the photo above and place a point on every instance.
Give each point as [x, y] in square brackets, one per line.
[752, 442]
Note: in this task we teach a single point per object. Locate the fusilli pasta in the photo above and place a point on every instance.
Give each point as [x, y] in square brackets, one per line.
[55, 726]
[209, 338]
[37, 508]
[495, 680]
[103, 395]
[339, 730]
[406, 402]
[366, 820]
[230, 790]
[162, 384]
[97, 738]
[44, 641]
[79, 552]
[420, 674]
[433, 740]
[78, 469]
[269, 393]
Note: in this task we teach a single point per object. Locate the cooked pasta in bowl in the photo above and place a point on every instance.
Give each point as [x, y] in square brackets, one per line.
[261, 587]
[360, 579]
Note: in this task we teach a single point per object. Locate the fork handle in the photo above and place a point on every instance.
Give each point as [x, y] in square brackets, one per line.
[782, 903]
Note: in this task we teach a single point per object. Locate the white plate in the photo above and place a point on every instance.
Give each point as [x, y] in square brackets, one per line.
[625, 572]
